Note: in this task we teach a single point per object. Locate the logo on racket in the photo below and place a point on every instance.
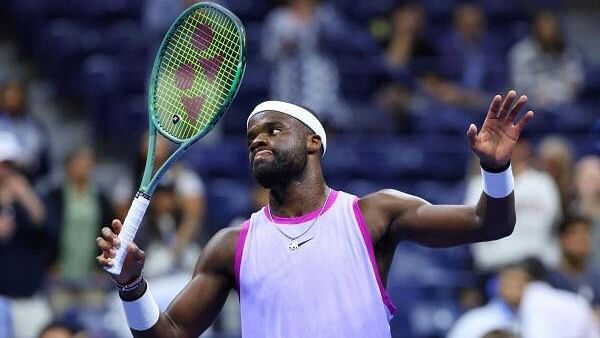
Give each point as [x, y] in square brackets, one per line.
[186, 74]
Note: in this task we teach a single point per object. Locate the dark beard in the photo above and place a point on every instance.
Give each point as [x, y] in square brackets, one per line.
[285, 167]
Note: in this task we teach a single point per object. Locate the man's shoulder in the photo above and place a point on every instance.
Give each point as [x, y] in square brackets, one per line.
[477, 321]
[227, 238]
[543, 295]
[385, 197]
[219, 253]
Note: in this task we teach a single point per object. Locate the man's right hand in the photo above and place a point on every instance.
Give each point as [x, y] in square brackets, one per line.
[108, 242]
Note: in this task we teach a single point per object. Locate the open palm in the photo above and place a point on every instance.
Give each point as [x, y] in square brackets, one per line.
[499, 133]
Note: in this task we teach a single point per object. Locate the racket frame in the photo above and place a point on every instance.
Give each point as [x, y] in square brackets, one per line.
[149, 182]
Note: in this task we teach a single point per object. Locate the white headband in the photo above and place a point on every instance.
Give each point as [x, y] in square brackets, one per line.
[294, 111]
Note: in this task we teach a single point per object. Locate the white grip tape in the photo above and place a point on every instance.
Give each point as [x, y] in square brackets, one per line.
[142, 313]
[130, 228]
[498, 185]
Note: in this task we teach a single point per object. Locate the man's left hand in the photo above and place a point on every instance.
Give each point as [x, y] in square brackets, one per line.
[498, 136]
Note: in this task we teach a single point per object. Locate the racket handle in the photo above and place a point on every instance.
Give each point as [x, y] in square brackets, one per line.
[130, 227]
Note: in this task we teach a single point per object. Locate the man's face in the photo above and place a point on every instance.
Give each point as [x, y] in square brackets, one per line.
[13, 99]
[547, 29]
[81, 166]
[587, 179]
[576, 242]
[277, 148]
[512, 284]
[57, 332]
[6, 169]
[469, 21]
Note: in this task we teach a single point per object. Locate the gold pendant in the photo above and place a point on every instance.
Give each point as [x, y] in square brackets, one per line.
[293, 245]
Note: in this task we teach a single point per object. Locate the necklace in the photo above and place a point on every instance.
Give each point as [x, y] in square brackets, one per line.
[293, 246]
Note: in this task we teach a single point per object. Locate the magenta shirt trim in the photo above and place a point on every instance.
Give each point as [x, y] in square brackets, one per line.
[239, 250]
[364, 230]
[306, 217]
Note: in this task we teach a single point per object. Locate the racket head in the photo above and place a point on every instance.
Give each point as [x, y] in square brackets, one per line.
[197, 72]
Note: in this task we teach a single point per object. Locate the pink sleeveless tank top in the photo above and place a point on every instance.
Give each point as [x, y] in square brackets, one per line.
[329, 287]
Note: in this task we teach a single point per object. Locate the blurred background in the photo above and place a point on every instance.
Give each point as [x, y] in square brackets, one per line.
[396, 82]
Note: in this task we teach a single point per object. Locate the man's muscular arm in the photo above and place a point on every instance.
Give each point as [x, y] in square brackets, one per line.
[197, 305]
[408, 217]
[401, 216]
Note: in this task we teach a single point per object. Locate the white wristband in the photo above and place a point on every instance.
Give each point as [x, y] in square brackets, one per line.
[498, 185]
[142, 313]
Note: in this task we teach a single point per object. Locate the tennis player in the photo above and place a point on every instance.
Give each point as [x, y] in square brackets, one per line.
[314, 261]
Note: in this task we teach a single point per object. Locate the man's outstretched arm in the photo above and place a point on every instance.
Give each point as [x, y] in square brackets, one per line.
[402, 216]
[196, 306]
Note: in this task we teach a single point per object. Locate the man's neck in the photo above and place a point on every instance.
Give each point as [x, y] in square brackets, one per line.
[79, 187]
[572, 266]
[298, 198]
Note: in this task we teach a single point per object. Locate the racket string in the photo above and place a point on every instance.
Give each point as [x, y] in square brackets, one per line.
[219, 84]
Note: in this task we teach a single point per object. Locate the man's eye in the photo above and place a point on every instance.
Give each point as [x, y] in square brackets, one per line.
[275, 131]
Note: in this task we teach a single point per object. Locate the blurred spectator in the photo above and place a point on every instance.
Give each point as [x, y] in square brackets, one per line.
[555, 157]
[58, 329]
[530, 308]
[302, 71]
[587, 185]
[5, 318]
[32, 137]
[576, 273]
[499, 334]
[471, 60]
[174, 218]
[500, 313]
[22, 235]
[24, 244]
[537, 204]
[545, 66]
[475, 323]
[587, 197]
[77, 210]
[408, 57]
[548, 312]
[408, 50]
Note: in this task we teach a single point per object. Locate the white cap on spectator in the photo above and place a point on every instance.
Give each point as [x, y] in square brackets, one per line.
[9, 147]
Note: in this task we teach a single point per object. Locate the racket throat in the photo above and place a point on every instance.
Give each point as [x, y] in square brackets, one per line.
[145, 195]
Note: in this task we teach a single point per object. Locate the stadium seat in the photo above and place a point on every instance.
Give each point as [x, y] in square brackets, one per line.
[227, 199]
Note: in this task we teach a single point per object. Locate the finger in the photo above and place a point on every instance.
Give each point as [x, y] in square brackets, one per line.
[520, 103]
[117, 226]
[524, 120]
[472, 134]
[508, 101]
[494, 107]
[103, 244]
[103, 261]
[110, 236]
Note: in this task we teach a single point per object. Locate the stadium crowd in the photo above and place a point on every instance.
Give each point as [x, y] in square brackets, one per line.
[396, 83]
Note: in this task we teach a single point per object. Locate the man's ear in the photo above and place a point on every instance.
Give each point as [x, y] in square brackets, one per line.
[313, 143]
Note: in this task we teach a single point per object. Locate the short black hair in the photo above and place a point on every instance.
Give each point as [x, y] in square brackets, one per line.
[309, 110]
[59, 325]
[499, 334]
[310, 131]
[533, 266]
[570, 221]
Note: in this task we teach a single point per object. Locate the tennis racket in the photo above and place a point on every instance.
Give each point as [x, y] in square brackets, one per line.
[196, 74]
